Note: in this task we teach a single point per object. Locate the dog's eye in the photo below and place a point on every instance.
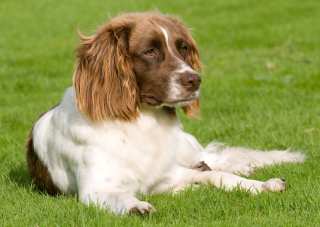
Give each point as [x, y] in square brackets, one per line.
[183, 48]
[151, 52]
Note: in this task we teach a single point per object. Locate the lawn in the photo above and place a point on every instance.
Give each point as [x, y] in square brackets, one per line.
[261, 89]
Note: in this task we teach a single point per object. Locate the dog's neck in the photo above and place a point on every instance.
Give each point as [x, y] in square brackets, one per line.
[171, 111]
[161, 113]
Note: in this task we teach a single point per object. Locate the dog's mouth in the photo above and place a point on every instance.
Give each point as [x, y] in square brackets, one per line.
[183, 101]
[179, 102]
[150, 100]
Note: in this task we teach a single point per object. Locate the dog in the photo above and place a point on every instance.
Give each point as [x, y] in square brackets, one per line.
[116, 132]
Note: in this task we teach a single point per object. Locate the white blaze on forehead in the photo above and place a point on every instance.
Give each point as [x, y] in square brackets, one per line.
[166, 37]
[183, 67]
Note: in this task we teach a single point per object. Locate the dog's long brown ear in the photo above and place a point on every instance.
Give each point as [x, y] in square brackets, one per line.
[104, 80]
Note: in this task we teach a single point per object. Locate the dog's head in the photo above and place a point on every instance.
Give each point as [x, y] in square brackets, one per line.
[137, 58]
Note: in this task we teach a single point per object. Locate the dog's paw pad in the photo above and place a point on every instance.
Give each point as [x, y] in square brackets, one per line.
[142, 208]
[274, 185]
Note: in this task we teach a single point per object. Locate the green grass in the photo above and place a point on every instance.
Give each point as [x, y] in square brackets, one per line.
[261, 89]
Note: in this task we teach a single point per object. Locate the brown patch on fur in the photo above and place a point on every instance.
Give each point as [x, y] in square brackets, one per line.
[193, 57]
[202, 166]
[38, 171]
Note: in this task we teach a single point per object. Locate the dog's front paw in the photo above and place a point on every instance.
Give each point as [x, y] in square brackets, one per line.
[141, 208]
[274, 185]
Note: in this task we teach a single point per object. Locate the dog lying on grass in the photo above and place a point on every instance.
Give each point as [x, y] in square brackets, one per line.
[116, 132]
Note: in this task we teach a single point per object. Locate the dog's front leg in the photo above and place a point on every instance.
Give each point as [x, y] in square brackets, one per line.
[116, 201]
[182, 177]
[100, 189]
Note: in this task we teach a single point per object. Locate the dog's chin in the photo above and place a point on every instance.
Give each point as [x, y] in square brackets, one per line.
[171, 102]
[180, 102]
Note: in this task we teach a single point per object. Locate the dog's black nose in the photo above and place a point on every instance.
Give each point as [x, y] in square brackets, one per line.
[191, 80]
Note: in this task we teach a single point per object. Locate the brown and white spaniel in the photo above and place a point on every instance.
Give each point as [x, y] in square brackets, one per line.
[116, 132]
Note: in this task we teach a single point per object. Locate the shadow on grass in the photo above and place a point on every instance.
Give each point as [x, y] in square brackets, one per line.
[19, 175]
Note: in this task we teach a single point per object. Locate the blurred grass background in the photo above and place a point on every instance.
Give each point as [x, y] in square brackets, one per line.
[261, 89]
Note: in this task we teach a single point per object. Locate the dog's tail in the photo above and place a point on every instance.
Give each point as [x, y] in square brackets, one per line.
[244, 161]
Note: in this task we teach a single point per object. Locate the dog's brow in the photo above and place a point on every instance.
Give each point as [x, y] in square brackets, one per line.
[166, 37]
[183, 66]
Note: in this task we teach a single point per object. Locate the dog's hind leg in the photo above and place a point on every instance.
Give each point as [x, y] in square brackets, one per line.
[244, 161]
[183, 177]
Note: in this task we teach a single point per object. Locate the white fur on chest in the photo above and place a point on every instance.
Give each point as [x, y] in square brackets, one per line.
[135, 154]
